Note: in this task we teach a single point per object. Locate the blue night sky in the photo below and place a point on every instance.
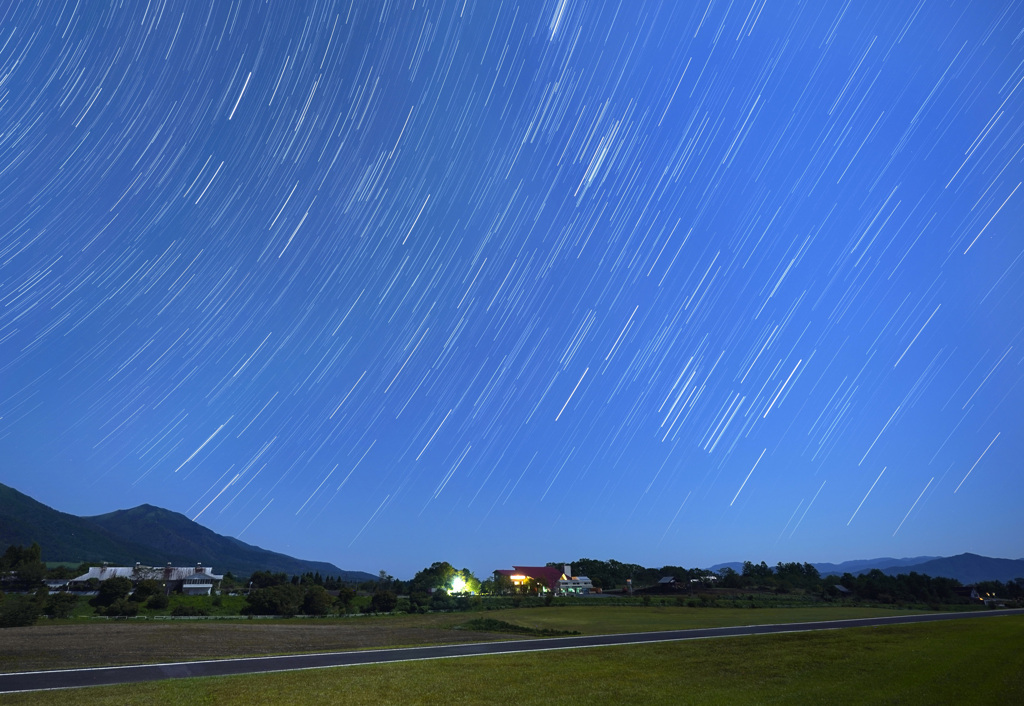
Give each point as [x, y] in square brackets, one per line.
[389, 283]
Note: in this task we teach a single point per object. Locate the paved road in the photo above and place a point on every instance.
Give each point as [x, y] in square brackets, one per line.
[73, 678]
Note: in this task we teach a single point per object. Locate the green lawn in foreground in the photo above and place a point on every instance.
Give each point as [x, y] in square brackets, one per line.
[976, 660]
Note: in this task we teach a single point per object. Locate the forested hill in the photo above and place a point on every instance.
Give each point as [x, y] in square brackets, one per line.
[147, 534]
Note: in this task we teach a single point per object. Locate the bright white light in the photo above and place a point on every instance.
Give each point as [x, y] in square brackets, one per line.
[458, 585]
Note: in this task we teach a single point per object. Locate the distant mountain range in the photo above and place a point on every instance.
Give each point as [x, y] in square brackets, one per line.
[147, 534]
[965, 568]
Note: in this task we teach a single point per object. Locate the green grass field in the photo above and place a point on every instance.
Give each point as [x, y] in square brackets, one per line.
[972, 661]
[602, 620]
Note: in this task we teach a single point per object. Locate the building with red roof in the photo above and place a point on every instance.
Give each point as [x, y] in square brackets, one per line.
[548, 579]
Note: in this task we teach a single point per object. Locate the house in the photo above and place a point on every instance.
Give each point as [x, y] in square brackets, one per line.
[666, 584]
[191, 580]
[195, 582]
[706, 581]
[975, 596]
[549, 579]
[574, 585]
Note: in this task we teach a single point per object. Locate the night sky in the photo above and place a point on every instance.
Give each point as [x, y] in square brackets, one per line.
[389, 283]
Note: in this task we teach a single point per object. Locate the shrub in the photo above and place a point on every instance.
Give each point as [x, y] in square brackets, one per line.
[18, 611]
[158, 602]
[60, 605]
[419, 601]
[468, 602]
[492, 625]
[121, 608]
[440, 600]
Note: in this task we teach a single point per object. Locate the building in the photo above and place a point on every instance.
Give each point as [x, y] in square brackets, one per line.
[574, 585]
[195, 580]
[549, 579]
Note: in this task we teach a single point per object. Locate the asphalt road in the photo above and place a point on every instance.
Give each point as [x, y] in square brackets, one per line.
[74, 678]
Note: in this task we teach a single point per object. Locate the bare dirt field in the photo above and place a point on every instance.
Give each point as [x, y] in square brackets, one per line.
[64, 646]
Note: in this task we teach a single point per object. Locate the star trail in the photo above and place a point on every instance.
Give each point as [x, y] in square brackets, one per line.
[394, 282]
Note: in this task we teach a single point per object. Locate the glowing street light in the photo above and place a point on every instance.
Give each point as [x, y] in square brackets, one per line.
[458, 585]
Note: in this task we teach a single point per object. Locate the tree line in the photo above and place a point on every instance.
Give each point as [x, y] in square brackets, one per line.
[441, 586]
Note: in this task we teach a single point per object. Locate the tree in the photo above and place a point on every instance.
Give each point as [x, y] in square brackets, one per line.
[877, 586]
[437, 575]
[383, 601]
[17, 555]
[501, 584]
[111, 590]
[344, 599]
[146, 588]
[266, 579]
[63, 573]
[760, 573]
[229, 584]
[18, 611]
[466, 582]
[60, 605]
[730, 579]
[1015, 588]
[282, 599]
[25, 563]
[310, 579]
[796, 575]
[317, 601]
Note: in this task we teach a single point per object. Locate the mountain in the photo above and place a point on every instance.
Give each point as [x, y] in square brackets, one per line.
[862, 566]
[147, 534]
[63, 537]
[857, 566]
[966, 568]
[736, 566]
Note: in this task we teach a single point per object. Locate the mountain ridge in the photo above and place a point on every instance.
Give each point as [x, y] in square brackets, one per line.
[966, 568]
[147, 534]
